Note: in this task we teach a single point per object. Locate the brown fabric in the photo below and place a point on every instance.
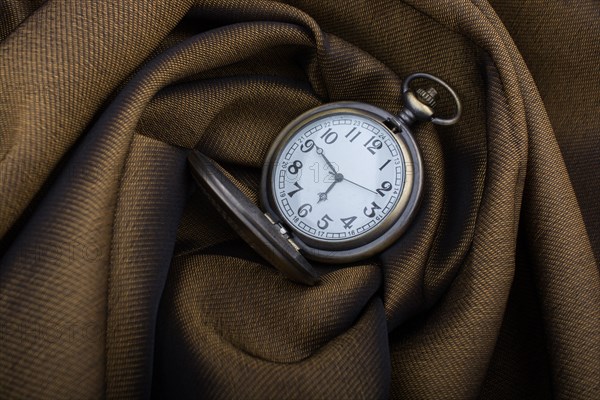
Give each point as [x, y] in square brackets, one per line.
[119, 280]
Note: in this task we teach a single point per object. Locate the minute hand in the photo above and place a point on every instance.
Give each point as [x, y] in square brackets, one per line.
[320, 151]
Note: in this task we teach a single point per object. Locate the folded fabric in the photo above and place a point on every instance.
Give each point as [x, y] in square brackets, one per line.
[119, 279]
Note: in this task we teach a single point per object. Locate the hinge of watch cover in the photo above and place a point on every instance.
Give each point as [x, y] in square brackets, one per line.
[283, 231]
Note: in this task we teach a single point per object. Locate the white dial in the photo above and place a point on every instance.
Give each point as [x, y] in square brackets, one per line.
[340, 178]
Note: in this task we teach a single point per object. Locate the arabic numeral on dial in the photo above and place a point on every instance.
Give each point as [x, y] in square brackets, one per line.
[304, 210]
[371, 214]
[293, 192]
[348, 222]
[351, 134]
[307, 146]
[385, 187]
[373, 144]
[295, 167]
[329, 137]
[383, 166]
[323, 223]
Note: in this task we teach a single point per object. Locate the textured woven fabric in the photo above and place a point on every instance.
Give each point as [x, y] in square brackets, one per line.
[119, 280]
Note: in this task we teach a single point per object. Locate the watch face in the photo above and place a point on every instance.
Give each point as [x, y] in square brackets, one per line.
[339, 177]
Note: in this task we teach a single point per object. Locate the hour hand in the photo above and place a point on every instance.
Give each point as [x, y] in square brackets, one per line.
[323, 195]
[337, 178]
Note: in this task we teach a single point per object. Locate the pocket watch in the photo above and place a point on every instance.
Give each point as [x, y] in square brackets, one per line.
[340, 183]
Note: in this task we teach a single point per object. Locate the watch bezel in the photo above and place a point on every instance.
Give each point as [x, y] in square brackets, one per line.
[393, 225]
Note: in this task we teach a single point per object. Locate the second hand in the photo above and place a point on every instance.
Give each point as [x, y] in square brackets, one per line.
[354, 183]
